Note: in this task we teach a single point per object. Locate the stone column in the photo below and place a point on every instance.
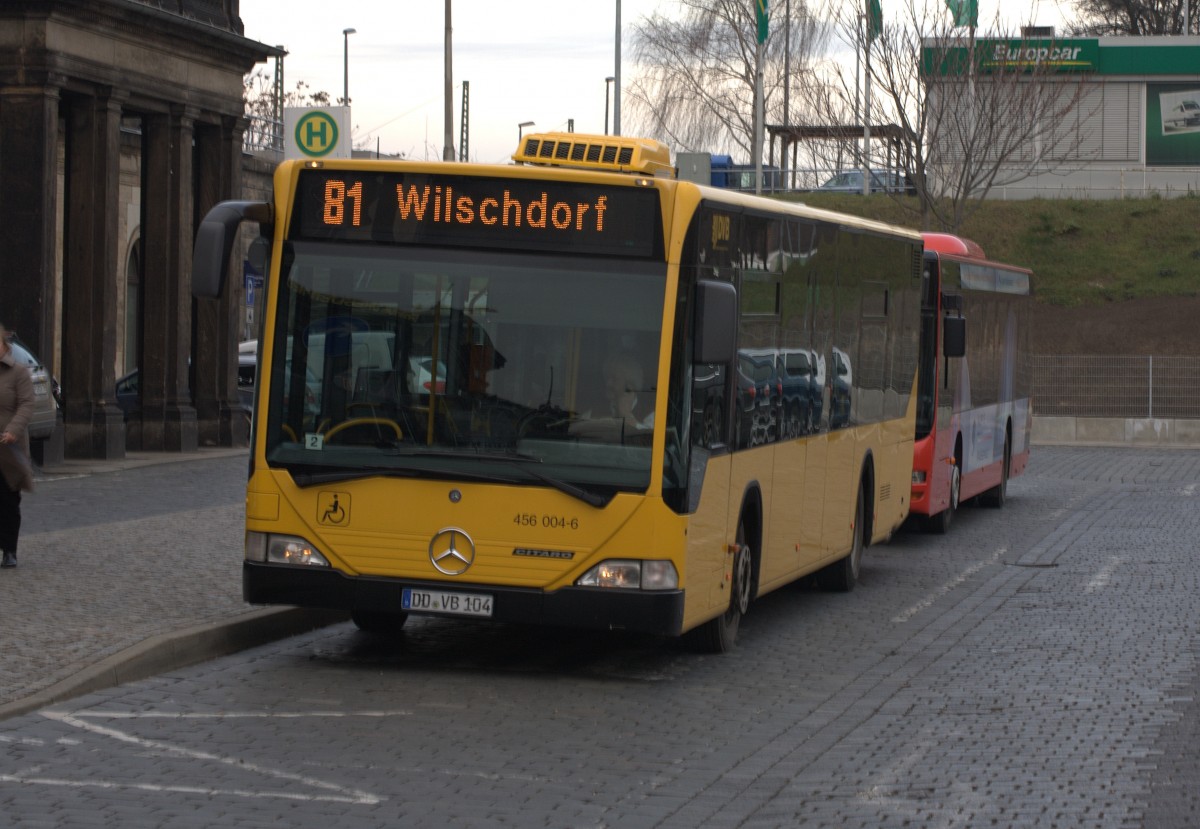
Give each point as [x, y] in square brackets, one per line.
[95, 427]
[28, 178]
[221, 420]
[168, 417]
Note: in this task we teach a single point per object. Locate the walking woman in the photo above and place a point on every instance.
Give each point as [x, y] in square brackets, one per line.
[16, 407]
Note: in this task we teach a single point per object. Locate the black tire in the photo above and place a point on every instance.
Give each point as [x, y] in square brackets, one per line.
[381, 622]
[998, 495]
[842, 575]
[719, 635]
[940, 523]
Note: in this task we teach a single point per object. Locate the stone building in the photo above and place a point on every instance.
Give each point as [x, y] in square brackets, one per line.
[121, 123]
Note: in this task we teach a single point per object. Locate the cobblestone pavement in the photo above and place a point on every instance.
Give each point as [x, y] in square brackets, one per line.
[114, 554]
[1036, 667]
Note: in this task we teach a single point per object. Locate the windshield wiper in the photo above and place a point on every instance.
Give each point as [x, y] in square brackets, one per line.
[594, 499]
[513, 457]
[307, 479]
[465, 452]
[517, 459]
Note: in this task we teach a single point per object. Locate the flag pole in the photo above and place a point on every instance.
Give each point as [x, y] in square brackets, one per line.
[866, 156]
[761, 24]
[758, 118]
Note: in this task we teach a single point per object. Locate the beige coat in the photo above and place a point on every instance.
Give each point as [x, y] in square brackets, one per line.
[16, 407]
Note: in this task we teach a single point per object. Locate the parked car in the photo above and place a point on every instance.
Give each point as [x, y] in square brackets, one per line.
[55, 388]
[882, 181]
[127, 389]
[126, 393]
[841, 390]
[45, 407]
[759, 394]
[801, 394]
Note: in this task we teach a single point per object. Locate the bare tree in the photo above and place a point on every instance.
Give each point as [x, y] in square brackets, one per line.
[264, 108]
[972, 115]
[696, 71]
[1098, 18]
[259, 94]
[264, 112]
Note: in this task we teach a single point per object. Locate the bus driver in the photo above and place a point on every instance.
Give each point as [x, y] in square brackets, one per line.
[628, 398]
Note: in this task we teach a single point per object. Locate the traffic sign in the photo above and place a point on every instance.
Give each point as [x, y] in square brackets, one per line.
[316, 132]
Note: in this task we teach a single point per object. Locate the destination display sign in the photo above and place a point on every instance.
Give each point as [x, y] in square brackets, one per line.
[477, 211]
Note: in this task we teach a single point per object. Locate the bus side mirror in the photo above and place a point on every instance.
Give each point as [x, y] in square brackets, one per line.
[214, 243]
[954, 336]
[716, 322]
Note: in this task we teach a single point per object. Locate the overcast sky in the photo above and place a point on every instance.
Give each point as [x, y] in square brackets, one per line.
[535, 61]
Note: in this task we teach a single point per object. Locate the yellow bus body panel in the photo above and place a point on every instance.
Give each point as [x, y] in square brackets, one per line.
[524, 536]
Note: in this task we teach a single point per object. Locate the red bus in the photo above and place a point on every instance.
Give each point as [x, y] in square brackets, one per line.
[974, 410]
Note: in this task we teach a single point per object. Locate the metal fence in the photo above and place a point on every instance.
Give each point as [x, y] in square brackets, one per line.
[1135, 387]
[263, 135]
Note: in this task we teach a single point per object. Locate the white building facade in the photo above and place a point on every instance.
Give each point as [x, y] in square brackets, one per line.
[1135, 130]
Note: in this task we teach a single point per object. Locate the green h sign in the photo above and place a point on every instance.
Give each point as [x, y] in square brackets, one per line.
[316, 134]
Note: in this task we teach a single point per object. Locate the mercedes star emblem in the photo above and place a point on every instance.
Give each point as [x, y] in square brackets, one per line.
[452, 551]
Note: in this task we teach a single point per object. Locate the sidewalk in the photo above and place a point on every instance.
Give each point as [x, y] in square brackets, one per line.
[144, 577]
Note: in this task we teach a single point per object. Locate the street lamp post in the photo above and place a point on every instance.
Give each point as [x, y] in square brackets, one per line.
[346, 65]
[521, 131]
[607, 85]
[617, 75]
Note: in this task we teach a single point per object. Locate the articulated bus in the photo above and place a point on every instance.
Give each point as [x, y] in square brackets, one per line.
[975, 415]
[523, 392]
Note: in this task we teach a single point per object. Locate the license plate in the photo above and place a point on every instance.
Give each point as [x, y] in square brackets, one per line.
[441, 601]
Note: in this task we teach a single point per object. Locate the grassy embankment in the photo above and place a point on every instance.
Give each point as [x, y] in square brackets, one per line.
[1084, 253]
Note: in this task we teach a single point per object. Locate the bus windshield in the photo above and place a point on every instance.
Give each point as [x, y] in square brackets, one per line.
[465, 364]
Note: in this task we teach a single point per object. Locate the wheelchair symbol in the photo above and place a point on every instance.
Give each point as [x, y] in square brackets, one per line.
[334, 508]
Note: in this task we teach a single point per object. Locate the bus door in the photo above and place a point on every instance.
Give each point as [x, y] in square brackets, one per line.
[708, 254]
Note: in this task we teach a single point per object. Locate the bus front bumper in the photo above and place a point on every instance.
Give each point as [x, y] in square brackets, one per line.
[658, 612]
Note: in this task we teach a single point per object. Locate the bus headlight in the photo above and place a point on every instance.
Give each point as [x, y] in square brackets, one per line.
[632, 574]
[918, 476]
[283, 549]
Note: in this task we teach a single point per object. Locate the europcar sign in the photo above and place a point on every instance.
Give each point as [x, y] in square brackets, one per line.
[952, 59]
[1059, 56]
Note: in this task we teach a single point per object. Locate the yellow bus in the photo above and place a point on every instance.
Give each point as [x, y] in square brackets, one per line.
[572, 390]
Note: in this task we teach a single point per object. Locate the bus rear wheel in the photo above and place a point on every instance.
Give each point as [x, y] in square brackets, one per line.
[720, 634]
[842, 575]
[997, 495]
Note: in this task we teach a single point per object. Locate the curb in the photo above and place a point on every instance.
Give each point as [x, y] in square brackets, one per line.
[179, 649]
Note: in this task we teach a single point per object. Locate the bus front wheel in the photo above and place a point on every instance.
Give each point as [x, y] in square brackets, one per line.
[720, 634]
[940, 523]
[381, 622]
